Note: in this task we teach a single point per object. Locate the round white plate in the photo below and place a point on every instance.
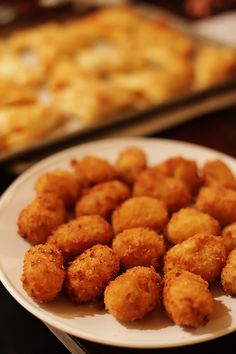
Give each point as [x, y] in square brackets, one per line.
[88, 321]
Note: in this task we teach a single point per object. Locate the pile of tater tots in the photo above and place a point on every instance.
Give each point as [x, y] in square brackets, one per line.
[135, 236]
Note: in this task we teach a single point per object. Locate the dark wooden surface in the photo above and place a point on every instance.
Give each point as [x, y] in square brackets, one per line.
[22, 333]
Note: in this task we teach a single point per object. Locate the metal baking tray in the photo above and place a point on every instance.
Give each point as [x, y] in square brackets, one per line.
[161, 113]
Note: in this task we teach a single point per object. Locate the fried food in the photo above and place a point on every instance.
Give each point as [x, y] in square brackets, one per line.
[102, 199]
[130, 163]
[139, 247]
[92, 170]
[207, 69]
[41, 217]
[140, 212]
[89, 273]
[228, 275]
[133, 294]
[187, 299]
[79, 234]
[188, 222]
[172, 191]
[91, 100]
[182, 169]
[201, 254]
[216, 172]
[14, 94]
[60, 182]
[218, 202]
[43, 272]
[16, 68]
[26, 124]
[229, 237]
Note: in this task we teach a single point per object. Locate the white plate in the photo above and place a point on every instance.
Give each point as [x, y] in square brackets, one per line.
[87, 321]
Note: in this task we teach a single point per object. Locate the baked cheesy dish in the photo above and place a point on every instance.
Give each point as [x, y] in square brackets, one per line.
[98, 67]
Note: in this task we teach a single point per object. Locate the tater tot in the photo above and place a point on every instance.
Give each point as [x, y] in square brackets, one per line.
[228, 275]
[62, 183]
[186, 298]
[188, 222]
[140, 212]
[133, 294]
[171, 190]
[89, 273]
[216, 172]
[130, 163]
[182, 169]
[102, 199]
[92, 170]
[218, 202]
[43, 272]
[139, 247]
[202, 254]
[41, 217]
[79, 234]
[229, 237]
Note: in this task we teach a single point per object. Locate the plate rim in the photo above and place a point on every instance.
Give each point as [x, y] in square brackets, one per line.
[60, 156]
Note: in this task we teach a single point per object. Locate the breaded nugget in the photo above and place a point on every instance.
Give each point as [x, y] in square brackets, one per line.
[188, 222]
[228, 275]
[186, 298]
[41, 217]
[89, 274]
[43, 272]
[229, 237]
[172, 191]
[202, 254]
[92, 170]
[139, 247]
[79, 234]
[140, 212]
[102, 199]
[60, 182]
[216, 172]
[218, 202]
[130, 163]
[133, 294]
[182, 169]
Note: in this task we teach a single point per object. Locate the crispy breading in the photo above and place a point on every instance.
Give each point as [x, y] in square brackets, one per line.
[89, 274]
[187, 299]
[60, 182]
[102, 199]
[218, 202]
[202, 254]
[133, 294]
[181, 168]
[43, 272]
[188, 222]
[41, 217]
[229, 237]
[130, 163]
[216, 172]
[228, 275]
[91, 170]
[139, 247]
[79, 234]
[174, 192]
[140, 212]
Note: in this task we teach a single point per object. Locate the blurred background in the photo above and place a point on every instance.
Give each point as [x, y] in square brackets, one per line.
[20, 9]
[200, 39]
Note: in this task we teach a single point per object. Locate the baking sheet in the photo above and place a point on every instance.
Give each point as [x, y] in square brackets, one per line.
[161, 116]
